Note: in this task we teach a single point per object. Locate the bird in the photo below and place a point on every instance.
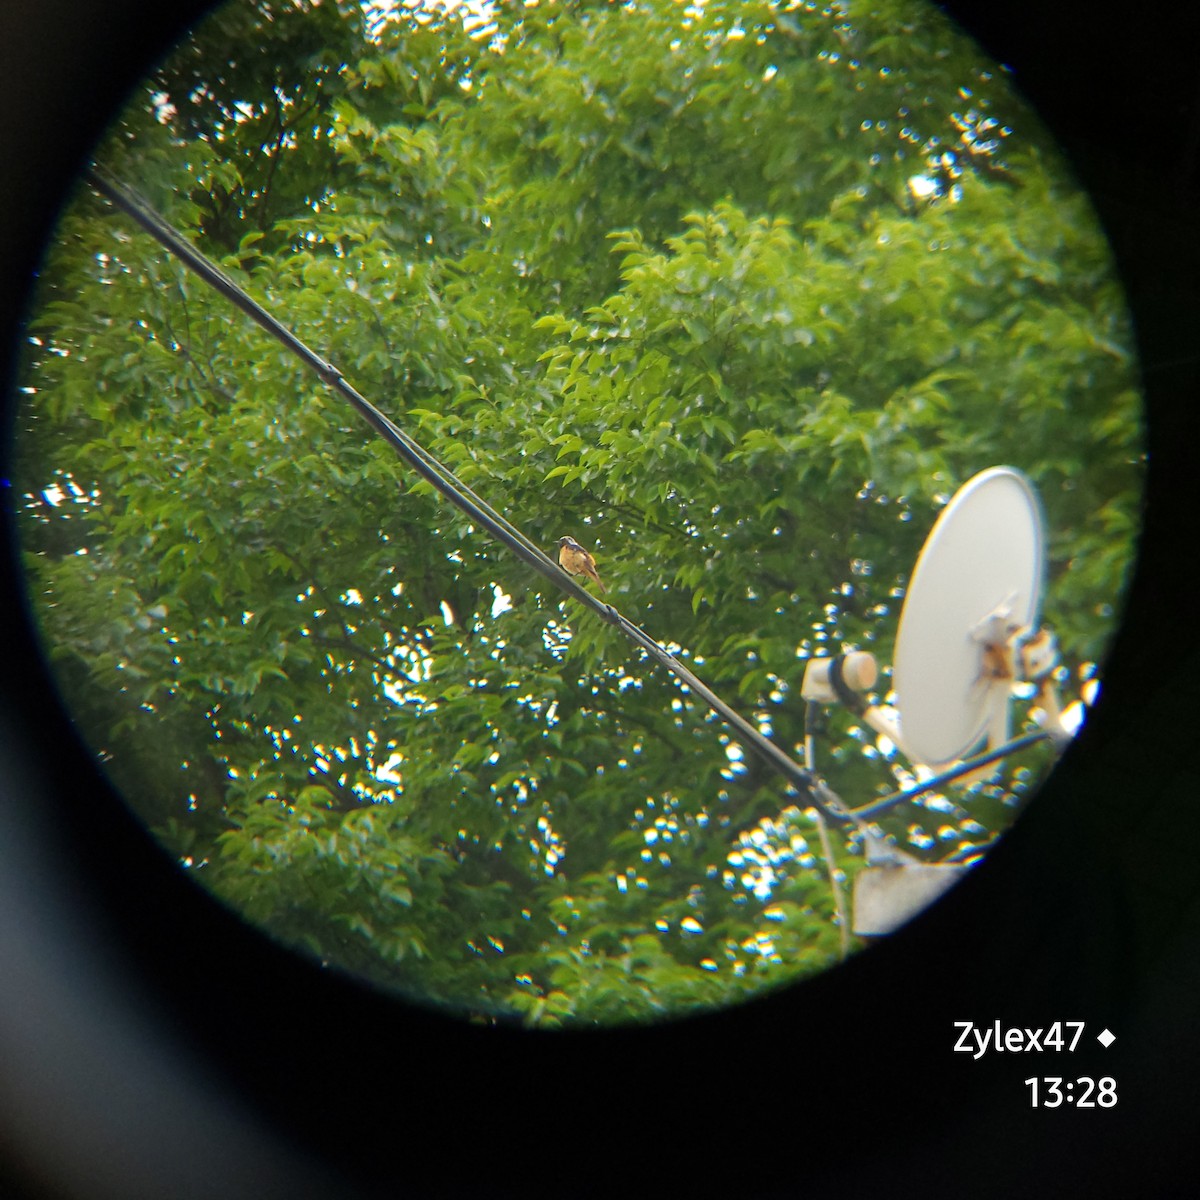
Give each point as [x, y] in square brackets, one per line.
[575, 560]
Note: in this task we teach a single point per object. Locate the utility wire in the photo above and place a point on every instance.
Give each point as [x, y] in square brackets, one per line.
[878, 807]
[444, 481]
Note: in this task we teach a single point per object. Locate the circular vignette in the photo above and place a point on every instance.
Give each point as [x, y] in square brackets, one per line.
[753, 368]
[1008, 967]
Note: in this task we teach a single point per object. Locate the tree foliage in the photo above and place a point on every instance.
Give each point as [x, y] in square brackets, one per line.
[736, 293]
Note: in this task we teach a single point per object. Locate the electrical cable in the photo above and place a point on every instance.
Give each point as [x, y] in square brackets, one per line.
[444, 481]
[878, 807]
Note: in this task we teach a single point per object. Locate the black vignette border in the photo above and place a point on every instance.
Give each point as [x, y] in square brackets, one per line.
[857, 1067]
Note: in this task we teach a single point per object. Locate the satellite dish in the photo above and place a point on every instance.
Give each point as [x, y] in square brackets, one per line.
[976, 585]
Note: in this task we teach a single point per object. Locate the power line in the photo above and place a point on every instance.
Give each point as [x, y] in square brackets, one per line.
[444, 481]
[878, 807]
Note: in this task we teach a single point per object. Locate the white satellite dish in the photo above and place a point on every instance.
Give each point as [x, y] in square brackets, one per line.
[977, 585]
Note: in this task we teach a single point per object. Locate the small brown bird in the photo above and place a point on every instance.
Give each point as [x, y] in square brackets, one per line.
[575, 560]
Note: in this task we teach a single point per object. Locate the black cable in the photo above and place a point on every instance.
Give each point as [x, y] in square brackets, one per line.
[457, 493]
[878, 807]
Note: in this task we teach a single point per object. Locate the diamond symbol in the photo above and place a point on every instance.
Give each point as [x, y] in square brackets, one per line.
[1105, 1038]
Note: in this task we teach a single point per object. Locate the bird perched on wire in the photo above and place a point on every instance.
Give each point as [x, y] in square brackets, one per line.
[575, 560]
